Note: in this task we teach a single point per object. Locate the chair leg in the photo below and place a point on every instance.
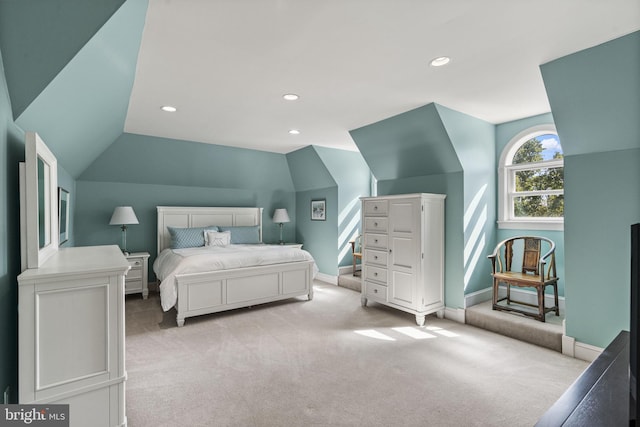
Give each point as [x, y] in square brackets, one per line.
[495, 292]
[354, 265]
[508, 293]
[541, 313]
[555, 298]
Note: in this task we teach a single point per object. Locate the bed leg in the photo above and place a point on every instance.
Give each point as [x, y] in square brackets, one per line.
[310, 294]
[180, 321]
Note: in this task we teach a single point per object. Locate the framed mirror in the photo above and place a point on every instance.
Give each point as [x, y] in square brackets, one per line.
[38, 203]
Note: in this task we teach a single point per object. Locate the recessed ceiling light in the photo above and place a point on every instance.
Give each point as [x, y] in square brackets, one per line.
[440, 61]
[290, 96]
[294, 132]
[168, 108]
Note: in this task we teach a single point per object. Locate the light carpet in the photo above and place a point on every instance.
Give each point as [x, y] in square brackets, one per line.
[331, 362]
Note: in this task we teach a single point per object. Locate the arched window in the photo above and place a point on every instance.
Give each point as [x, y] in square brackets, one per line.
[531, 181]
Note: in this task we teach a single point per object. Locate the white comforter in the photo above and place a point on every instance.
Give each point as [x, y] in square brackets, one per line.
[172, 262]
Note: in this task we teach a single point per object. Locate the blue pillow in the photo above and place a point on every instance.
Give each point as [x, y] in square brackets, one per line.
[188, 237]
[244, 235]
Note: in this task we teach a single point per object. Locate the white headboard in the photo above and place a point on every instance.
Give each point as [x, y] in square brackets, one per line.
[179, 216]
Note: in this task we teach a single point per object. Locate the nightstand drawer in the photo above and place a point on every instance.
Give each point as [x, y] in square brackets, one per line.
[136, 263]
[133, 274]
[133, 286]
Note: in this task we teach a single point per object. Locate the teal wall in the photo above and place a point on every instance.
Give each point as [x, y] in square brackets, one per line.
[145, 172]
[351, 173]
[434, 149]
[505, 132]
[595, 104]
[52, 32]
[11, 153]
[83, 109]
[339, 177]
[474, 143]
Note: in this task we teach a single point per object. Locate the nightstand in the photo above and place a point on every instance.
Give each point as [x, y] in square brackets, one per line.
[136, 280]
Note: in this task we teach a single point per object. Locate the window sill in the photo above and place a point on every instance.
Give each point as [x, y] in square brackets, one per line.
[531, 225]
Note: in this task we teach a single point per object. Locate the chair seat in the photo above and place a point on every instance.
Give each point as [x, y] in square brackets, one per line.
[522, 279]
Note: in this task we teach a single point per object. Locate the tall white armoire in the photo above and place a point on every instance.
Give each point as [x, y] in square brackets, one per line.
[403, 253]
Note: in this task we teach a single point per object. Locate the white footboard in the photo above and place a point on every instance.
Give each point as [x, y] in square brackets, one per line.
[212, 292]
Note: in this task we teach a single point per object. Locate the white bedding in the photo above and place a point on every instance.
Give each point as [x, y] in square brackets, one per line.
[172, 262]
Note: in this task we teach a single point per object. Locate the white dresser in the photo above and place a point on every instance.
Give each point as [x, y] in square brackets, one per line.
[403, 252]
[71, 334]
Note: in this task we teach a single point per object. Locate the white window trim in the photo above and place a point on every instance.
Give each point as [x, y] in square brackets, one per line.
[505, 209]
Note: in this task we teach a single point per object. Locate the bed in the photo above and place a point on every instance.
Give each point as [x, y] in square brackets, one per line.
[210, 286]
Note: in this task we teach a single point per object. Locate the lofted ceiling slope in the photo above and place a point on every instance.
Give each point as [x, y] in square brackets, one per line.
[226, 64]
[38, 38]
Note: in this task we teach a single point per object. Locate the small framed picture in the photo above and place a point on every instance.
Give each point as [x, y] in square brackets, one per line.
[318, 210]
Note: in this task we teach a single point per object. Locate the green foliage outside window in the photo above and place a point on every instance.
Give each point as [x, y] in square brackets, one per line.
[538, 179]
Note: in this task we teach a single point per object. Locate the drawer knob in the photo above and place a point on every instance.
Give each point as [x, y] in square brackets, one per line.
[375, 274]
[375, 224]
[375, 208]
[137, 263]
[375, 257]
[375, 240]
[375, 291]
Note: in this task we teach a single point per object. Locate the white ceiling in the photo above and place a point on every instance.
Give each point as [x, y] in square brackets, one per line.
[226, 64]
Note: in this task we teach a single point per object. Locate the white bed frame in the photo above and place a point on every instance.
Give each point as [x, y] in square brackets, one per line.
[215, 291]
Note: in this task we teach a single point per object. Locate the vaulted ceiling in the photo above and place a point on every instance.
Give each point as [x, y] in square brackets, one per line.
[81, 75]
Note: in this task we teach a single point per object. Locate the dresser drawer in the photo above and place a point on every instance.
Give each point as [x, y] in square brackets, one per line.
[375, 257]
[376, 207]
[376, 224]
[378, 241]
[375, 291]
[376, 274]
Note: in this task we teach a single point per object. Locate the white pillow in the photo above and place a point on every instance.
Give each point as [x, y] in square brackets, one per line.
[217, 238]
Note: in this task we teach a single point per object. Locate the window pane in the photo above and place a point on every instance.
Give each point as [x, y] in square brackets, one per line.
[540, 179]
[543, 147]
[539, 206]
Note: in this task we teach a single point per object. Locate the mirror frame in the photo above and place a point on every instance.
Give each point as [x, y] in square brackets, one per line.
[34, 256]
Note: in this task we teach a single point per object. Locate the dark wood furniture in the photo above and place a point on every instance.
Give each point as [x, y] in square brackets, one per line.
[600, 395]
[356, 252]
[532, 272]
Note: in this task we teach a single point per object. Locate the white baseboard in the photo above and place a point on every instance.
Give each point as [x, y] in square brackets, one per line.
[327, 278]
[579, 350]
[455, 314]
[345, 269]
[517, 294]
[477, 297]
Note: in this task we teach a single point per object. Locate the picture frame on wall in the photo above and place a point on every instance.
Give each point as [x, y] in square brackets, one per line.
[63, 214]
[318, 210]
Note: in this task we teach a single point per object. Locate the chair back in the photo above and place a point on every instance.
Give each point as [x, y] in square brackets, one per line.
[531, 255]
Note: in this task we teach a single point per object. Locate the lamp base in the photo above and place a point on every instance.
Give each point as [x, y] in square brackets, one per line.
[125, 252]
